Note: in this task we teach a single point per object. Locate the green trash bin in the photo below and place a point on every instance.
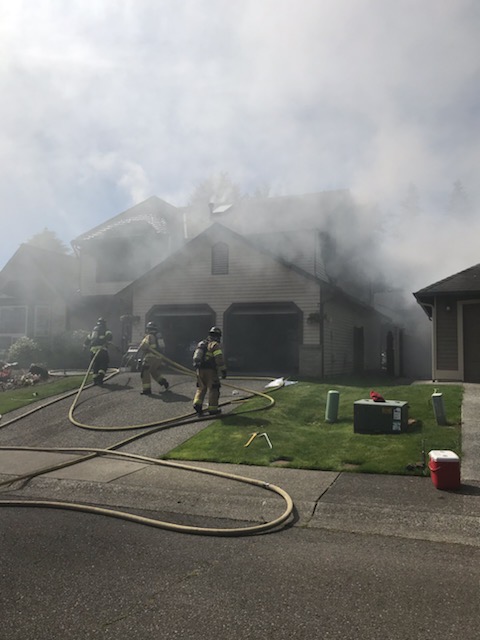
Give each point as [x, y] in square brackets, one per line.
[331, 410]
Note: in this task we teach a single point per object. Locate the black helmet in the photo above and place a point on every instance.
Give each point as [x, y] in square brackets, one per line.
[101, 321]
[152, 327]
[215, 331]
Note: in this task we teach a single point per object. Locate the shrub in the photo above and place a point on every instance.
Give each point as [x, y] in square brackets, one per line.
[24, 351]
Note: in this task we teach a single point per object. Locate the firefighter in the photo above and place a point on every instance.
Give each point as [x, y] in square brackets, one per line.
[208, 361]
[152, 360]
[97, 341]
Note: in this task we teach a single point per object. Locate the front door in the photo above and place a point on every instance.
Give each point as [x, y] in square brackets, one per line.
[471, 342]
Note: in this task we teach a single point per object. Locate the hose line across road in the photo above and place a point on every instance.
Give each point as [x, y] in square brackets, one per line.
[144, 430]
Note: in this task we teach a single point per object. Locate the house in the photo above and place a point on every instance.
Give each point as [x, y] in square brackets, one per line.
[285, 277]
[37, 295]
[453, 306]
[277, 317]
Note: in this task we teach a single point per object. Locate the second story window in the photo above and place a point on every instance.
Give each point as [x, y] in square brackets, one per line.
[220, 259]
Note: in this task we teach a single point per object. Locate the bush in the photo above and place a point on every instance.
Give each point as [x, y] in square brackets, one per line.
[24, 351]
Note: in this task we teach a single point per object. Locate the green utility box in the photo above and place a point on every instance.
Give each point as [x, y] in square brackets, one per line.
[390, 416]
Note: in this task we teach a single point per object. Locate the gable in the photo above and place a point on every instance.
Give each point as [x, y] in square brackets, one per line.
[203, 243]
[150, 216]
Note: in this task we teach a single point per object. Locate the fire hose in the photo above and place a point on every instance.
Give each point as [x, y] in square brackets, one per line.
[112, 451]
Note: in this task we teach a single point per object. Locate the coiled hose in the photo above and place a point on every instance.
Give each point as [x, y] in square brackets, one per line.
[112, 451]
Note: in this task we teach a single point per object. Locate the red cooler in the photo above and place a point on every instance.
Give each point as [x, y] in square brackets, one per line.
[444, 468]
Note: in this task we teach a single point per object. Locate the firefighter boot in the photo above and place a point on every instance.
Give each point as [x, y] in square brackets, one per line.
[198, 408]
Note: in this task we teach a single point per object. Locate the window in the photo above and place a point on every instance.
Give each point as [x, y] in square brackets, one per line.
[13, 321]
[42, 321]
[220, 259]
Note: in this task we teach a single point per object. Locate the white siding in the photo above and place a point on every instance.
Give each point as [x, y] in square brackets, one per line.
[253, 277]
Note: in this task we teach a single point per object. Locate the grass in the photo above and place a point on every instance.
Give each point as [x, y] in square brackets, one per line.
[302, 439]
[22, 397]
[296, 427]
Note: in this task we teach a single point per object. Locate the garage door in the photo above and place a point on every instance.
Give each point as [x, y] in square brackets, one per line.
[182, 326]
[263, 338]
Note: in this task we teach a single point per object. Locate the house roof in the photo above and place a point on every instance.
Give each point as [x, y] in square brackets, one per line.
[153, 212]
[466, 281]
[284, 213]
[56, 270]
[465, 284]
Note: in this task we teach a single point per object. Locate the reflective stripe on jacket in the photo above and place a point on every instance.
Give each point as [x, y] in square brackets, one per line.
[213, 356]
[149, 347]
[96, 340]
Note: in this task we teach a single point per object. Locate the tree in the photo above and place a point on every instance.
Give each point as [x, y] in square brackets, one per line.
[47, 239]
[217, 190]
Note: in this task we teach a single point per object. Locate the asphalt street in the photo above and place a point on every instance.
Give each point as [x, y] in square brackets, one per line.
[77, 576]
[361, 557]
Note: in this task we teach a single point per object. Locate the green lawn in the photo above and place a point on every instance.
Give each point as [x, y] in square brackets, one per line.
[302, 439]
[22, 397]
[297, 430]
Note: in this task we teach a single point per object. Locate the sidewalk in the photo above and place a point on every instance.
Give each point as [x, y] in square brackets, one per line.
[470, 464]
[401, 506]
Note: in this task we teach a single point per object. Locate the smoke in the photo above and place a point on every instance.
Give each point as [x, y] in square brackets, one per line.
[105, 104]
[128, 176]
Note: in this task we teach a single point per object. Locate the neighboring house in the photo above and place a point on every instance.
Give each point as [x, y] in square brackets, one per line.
[37, 291]
[276, 316]
[453, 306]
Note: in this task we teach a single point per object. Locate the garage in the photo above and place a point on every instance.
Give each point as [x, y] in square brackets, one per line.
[181, 327]
[263, 338]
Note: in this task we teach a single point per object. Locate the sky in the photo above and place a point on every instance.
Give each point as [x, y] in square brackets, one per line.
[105, 104]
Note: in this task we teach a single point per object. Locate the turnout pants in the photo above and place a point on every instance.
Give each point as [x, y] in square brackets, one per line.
[151, 368]
[100, 365]
[207, 381]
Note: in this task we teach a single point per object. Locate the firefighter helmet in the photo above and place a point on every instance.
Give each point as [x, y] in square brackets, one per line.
[101, 321]
[152, 327]
[215, 331]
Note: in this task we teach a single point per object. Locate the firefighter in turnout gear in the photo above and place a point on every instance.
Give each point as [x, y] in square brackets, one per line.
[97, 342]
[152, 360]
[208, 361]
